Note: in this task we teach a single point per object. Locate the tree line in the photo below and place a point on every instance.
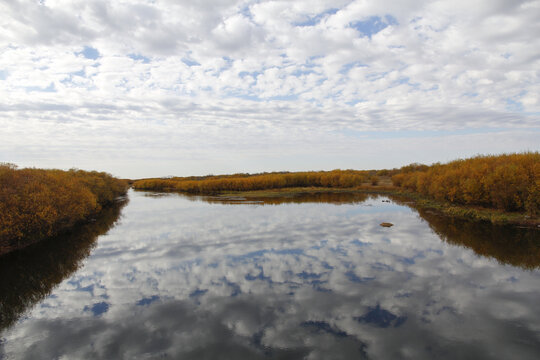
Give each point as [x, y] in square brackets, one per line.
[38, 203]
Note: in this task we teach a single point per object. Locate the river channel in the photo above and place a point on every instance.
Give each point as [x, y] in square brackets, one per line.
[314, 276]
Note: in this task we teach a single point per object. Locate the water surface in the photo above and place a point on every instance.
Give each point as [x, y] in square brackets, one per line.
[312, 277]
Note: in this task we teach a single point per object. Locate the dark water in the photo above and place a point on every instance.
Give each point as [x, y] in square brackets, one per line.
[311, 277]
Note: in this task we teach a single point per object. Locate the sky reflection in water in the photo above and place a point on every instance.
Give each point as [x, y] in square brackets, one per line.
[191, 278]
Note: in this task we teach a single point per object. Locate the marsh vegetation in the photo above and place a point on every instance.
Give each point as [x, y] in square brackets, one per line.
[36, 204]
[506, 182]
[502, 188]
[248, 182]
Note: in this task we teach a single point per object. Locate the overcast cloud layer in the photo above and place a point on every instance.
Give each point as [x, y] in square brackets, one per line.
[150, 88]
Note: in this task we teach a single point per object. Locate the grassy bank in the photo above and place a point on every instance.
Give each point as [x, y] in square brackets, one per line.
[467, 212]
[415, 200]
[509, 182]
[247, 182]
[499, 189]
[36, 204]
[291, 192]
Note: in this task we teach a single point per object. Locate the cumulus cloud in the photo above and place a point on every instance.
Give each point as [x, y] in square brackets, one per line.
[261, 68]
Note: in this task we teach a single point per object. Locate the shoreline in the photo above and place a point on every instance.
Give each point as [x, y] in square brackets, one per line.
[7, 246]
[474, 213]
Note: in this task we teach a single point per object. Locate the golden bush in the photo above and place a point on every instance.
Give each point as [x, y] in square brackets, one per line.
[508, 182]
[37, 203]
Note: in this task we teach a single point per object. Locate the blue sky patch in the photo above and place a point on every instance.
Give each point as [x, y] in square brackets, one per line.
[373, 25]
[254, 74]
[327, 266]
[312, 59]
[148, 300]
[300, 72]
[307, 276]
[98, 308]
[50, 88]
[138, 57]
[236, 290]
[90, 53]
[260, 276]
[514, 105]
[354, 102]
[360, 243]
[403, 80]
[381, 318]
[288, 251]
[314, 20]
[376, 75]
[198, 293]
[347, 67]
[355, 278]
[246, 12]
[381, 267]
[323, 327]
[78, 73]
[190, 62]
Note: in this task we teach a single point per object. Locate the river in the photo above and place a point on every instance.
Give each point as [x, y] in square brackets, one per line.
[308, 277]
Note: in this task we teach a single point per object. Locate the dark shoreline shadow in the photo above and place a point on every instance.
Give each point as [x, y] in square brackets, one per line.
[508, 244]
[323, 197]
[29, 275]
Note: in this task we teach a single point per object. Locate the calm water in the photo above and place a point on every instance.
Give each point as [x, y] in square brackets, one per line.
[311, 277]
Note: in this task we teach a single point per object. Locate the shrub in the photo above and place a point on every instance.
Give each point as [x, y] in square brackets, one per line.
[508, 182]
[37, 203]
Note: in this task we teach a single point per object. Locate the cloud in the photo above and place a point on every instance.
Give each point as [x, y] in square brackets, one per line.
[264, 68]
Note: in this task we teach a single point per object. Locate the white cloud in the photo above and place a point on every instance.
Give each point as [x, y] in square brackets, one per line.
[210, 70]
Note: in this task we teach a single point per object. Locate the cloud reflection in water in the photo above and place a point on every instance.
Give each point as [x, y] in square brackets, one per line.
[182, 277]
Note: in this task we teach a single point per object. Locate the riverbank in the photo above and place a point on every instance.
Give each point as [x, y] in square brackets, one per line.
[501, 189]
[37, 204]
[415, 200]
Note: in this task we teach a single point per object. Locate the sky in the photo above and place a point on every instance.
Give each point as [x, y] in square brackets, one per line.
[161, 87]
